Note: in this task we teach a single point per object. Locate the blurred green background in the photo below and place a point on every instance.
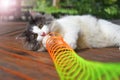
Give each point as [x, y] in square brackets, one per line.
[107, 9]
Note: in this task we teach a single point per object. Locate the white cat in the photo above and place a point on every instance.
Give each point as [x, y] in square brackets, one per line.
[83, 31]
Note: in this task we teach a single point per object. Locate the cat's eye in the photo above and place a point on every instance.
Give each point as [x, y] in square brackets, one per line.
[35, 35]
[40, 25]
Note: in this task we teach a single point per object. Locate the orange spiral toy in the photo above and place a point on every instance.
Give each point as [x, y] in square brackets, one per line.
[70, 66]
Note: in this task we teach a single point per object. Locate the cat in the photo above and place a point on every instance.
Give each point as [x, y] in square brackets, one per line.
[78, 31]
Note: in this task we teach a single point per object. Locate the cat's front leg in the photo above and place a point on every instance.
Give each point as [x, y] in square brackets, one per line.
[71, 39]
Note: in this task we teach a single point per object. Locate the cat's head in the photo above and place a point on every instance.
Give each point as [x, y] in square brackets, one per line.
[36, 30]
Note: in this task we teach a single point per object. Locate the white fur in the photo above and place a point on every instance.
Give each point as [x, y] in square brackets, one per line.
[85, 31]
[38, 31]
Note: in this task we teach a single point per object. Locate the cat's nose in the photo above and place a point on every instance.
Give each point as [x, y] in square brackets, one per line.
[43, 34]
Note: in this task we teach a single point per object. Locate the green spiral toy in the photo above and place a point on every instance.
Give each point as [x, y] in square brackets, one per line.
[70, 66]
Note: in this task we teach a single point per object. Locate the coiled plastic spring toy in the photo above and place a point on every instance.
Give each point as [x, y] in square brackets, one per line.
[70, 66]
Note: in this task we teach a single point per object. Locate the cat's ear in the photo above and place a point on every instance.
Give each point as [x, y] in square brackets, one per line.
[32, 15]
[48, 18]
[35, 17]
[39, 18]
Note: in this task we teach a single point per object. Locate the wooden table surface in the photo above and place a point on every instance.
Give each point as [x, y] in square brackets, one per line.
[16, 63]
